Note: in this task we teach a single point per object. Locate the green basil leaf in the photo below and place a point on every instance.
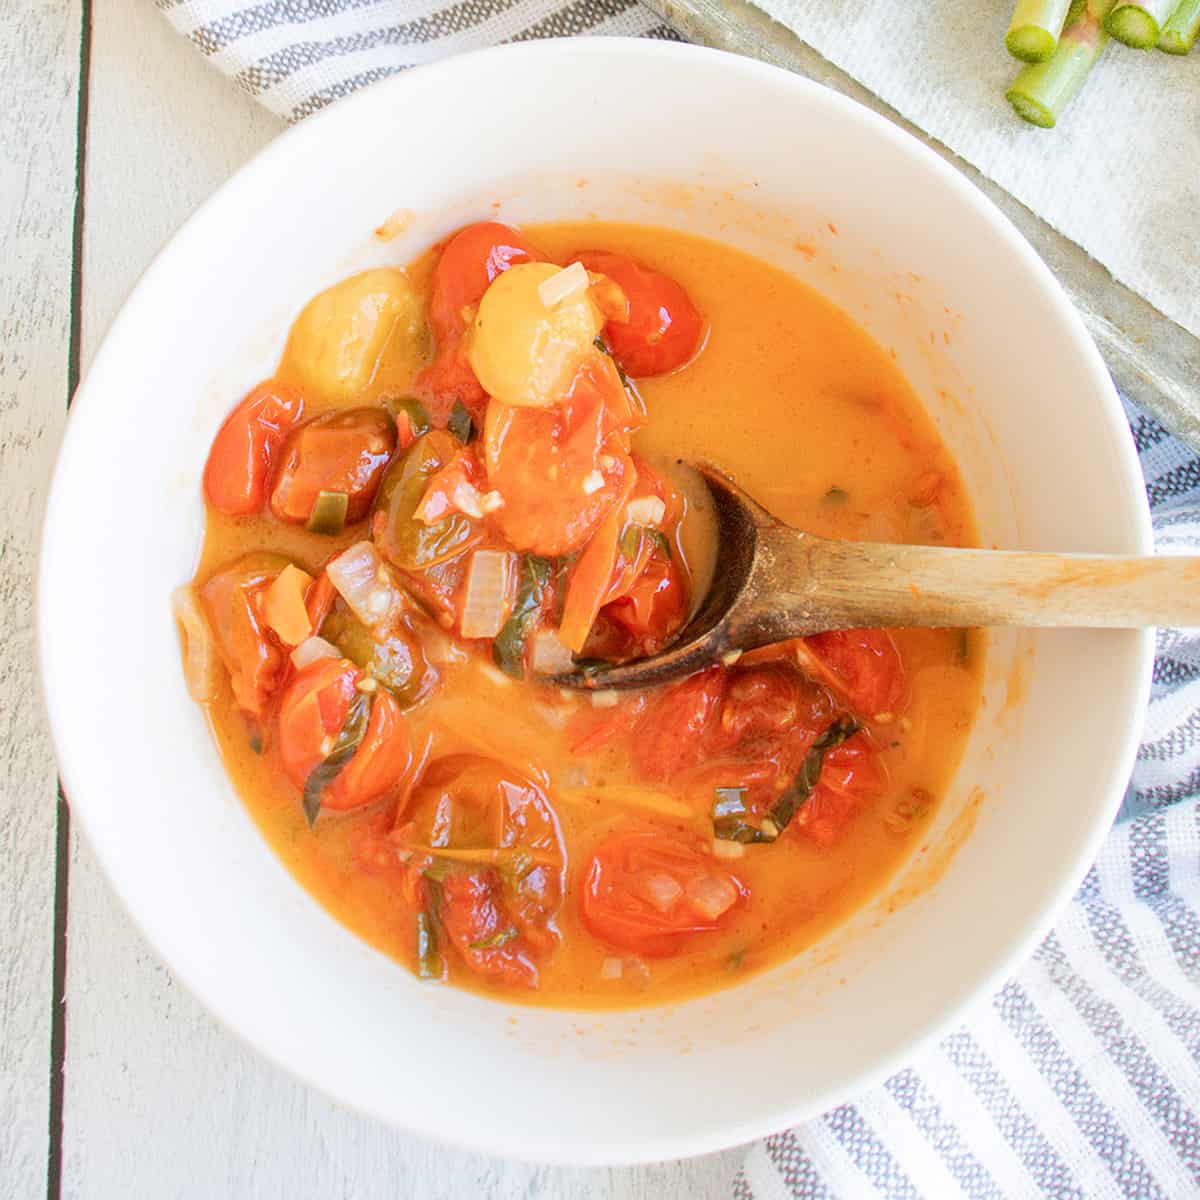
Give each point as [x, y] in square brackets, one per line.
[660, 542]
[429, 958]
[418, 415]
[508, 646]
[348, 741]
[500, 938]
[460, 423]
[788, 804]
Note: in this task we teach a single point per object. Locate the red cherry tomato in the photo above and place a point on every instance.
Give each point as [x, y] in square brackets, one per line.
[670, 736]
[770, 702]
[473, 915]
[312, 712]
[663, 330]
[559, 470]
[851, 776]
[651, 610]
[232, 601]
[471, 259]
[379, 763]
[646, 890]
[243, 452]
[344, 451]
[863, 666]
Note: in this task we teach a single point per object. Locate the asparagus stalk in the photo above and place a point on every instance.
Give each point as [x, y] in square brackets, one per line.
[1042, 90]
[1035, 27]
[1138, 24]
[1181, 28]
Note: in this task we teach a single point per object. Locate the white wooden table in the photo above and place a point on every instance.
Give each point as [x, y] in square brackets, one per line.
[113, 1081]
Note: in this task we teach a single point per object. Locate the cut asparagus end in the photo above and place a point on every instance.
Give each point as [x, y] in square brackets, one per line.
[1179, 33]
[1133, 27]
[1042, 90]
[1030, 109]
[1030, 43]
[1138, 23]
[1035, 27]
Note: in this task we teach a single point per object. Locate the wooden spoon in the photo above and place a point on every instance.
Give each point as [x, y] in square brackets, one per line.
[772, 582]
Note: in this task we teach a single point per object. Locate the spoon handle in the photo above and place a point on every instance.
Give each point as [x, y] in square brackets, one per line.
[865, 583]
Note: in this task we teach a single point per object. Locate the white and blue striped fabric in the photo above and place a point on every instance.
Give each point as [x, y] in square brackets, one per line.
[1081, 1076]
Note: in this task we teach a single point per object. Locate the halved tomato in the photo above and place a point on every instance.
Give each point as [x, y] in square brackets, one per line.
[863, 666]
[242, 455]
[647, 889]
[663, 329]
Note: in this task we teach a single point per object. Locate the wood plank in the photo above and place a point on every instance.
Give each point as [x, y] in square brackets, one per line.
[39, 62]
[160, 1099]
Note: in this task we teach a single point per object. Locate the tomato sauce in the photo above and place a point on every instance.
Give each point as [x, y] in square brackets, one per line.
[542, 844]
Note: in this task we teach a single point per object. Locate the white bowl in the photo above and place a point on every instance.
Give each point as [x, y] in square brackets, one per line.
[646, 131]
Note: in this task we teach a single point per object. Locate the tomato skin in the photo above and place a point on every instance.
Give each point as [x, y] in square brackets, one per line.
[346, 451]
[243, 452]
[652, 609]
[540, 459]
[863, 666]
[232, 601]
[471, 259]
[670, 737]
[379, 763]
[312, 711]
[471, 912]
[612, 901]
[663, 331]
[851, 776]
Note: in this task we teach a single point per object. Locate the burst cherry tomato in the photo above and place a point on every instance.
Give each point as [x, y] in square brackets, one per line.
[232, 600]
[345, 452]
[651, 610]
[559, 470]
[646, 890]
[242, 455]
[863, 666]
[473, 916]
[663, 330]
[670, 736]
[378, 764]
[468, 263]
[851, 776]
[312, 712]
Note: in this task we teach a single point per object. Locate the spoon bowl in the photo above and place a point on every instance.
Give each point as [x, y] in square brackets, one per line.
[772, 582]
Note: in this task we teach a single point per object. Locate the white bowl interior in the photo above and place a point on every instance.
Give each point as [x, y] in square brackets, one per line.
[680, 137]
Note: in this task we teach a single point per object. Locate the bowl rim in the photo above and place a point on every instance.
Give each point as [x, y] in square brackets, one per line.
[386, 93]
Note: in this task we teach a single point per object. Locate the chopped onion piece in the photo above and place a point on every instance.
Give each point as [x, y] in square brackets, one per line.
[491, 502]
[562, 286]
[711, 896]
[605, 698]
[593, 481]
[311, 649]
[548, 655]
[611, 968]
[658, 890]
[467, 500]
[199, 650]
[489, 596]
[646, 510]
[363, 580]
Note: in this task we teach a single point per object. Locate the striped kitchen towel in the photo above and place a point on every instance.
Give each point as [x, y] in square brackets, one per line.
[1081, 1077]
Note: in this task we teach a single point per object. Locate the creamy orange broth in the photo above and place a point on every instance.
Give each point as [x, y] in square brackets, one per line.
[811, 416]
